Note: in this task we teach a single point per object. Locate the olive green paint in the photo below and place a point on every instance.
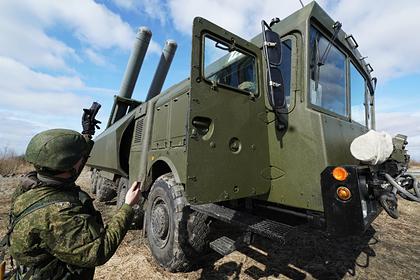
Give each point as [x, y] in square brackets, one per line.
[215, 172]
[282, 167]
[105, 151]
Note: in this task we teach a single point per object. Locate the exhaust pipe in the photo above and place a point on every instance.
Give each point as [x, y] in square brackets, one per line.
[168, 54]
[131, 72]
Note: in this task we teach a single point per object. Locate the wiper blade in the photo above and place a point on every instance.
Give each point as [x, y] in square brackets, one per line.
[337, 27]
[320, 60]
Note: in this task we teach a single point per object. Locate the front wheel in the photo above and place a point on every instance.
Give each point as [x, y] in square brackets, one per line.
[177, 235]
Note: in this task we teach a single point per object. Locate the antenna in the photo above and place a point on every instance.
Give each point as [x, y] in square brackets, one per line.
[301, 3]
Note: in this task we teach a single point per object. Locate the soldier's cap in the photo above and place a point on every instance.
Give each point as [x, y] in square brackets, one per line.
[57, 149]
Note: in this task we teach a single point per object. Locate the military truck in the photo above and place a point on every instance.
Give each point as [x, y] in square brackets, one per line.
[258, 137]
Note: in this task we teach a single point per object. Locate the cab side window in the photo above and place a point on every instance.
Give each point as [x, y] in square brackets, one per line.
[358, 96]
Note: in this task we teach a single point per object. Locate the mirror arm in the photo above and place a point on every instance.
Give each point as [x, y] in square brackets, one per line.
[374, 81]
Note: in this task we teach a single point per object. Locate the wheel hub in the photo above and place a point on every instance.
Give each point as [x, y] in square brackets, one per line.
[160, 223]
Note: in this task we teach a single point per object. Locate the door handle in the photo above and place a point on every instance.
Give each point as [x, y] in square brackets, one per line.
[201, 124]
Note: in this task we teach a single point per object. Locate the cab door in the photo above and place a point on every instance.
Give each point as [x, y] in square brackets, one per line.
[227, 146]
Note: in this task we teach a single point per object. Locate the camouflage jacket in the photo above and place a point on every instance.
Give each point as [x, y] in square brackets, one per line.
[66, 238]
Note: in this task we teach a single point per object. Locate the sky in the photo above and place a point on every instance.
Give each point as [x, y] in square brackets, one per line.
[57, 57]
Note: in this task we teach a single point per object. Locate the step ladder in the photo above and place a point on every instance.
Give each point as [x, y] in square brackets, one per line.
[264, 227]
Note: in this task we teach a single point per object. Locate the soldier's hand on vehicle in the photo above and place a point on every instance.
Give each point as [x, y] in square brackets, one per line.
[133, 194]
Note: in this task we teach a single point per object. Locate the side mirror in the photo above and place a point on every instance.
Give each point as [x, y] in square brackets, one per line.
[277, 88]
[273, 55]
[273, 47]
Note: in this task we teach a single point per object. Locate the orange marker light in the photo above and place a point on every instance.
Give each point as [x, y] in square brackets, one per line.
[340, 173]
[343, 193]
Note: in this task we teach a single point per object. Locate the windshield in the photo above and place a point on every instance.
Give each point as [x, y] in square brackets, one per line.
[327, 75]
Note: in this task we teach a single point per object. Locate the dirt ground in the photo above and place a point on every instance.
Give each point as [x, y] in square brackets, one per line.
[390, 249]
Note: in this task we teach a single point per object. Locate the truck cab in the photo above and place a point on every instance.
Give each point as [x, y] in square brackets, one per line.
[274, 155]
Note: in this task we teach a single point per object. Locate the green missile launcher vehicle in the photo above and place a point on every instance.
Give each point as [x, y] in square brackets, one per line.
[260, 126]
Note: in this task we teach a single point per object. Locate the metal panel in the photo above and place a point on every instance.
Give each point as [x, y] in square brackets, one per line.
[178, 120]
[160, 127]
[216, 171]
[105, 154]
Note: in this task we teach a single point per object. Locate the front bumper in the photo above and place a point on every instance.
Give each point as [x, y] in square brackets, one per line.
[353, 216]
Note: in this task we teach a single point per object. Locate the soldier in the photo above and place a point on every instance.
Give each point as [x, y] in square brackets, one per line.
[55, 232]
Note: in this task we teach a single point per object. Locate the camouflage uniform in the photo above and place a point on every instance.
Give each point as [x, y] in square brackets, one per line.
[55, 232]
[65, 239]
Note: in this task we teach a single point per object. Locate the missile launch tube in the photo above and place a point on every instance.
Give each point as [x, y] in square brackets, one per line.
[135, 62]
[131, 73]
[168, 53]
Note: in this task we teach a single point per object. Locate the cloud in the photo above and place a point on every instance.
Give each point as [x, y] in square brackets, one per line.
[95, 57]
[384, 31]
[92, 23]
[33, 101]
[27, 25]
[154, 48]
[15, 133]
[155, 9]
[241, 17]
[406, 123]
[41, 41]
[24, 89]
[399, 122]
[18, 127]
[16, 75]
[29, 44]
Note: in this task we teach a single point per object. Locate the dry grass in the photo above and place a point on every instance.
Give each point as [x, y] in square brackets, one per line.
[414, 163]
[12, 164]
[390, 249]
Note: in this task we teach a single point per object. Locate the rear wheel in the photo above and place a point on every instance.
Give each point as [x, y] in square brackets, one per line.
[94, 181]
[105, 190]
[123, 186]
[121, 191]
[177, 236]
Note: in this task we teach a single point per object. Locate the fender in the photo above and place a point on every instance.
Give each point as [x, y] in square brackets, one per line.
[171, 166]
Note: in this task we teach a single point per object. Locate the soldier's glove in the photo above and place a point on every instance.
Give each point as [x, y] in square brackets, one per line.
[89, 123]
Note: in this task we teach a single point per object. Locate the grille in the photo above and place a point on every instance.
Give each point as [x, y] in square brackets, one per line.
[139, 131]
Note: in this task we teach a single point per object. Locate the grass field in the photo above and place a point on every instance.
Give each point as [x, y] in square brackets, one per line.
[390, 249]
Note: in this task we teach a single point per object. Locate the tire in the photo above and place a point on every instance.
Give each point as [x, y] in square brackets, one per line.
[94, 181]
[105, 190]
[123, 186]
[121, 191]
[177, 236]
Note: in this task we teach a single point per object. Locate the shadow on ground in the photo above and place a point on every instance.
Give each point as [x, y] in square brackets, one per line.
[306, 252]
